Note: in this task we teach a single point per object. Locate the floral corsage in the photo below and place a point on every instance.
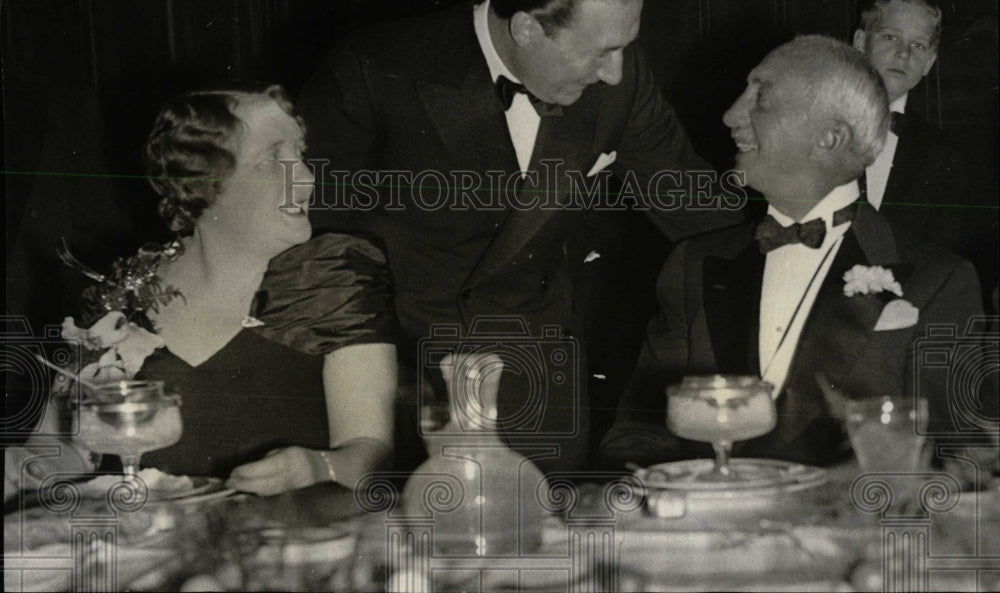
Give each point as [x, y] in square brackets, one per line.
[898, 313]
[118, 335]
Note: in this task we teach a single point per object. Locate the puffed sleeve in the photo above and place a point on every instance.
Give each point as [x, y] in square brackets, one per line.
[327, 293]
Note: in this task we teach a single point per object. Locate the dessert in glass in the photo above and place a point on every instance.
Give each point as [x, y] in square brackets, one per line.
[721, 409]
[128, 418]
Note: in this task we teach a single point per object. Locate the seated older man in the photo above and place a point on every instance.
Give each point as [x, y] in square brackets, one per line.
[769, 298]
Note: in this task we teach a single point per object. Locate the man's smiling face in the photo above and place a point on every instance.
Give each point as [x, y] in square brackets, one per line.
[771, 126]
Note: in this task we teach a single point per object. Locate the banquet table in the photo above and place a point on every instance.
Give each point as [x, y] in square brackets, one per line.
[850, 533]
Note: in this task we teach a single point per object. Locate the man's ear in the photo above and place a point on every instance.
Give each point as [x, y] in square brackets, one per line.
[835, 136]
[524, 28]
[860, 40]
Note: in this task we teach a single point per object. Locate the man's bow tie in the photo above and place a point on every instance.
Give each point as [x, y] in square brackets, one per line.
[771, 235]
[896, 122]
[507, 89]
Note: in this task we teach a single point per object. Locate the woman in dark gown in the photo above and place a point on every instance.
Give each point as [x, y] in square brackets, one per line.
[280, 346]
[264, 388]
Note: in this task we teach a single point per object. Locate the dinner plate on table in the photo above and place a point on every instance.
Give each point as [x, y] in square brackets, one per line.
[161, 487]
[202, 489]
[750, 475]
[681, 486]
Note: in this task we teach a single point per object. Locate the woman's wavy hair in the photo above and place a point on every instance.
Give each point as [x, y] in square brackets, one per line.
[188, 155]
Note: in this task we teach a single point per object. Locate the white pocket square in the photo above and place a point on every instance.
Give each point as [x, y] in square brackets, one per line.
[603, 162]
[897, 314]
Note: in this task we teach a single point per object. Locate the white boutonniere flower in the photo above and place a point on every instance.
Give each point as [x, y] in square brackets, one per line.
[870, 280]
[897, 313]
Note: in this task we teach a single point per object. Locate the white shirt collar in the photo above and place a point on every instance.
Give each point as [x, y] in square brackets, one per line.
[839, 198]
[493, 61]
[899, 104]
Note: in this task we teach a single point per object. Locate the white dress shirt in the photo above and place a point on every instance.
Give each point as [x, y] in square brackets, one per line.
[878, 172]
[522, 119]
[794, 274]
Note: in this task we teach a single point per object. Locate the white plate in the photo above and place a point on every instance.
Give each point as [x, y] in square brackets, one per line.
[750, 476]
[199, 486]
[162, 487]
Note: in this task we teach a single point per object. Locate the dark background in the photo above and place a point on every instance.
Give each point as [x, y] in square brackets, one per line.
[83, 80]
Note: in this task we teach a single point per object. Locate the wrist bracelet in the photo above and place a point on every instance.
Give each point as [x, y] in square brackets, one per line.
[329, 466]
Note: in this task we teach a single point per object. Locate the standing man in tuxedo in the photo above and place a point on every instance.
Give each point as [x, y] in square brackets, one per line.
[771, 299]
[501, 110]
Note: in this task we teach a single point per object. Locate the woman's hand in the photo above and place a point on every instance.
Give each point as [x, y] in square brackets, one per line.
[279, 471]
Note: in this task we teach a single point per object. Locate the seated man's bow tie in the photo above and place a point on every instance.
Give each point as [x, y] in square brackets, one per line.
[507, 89]
[771, 235]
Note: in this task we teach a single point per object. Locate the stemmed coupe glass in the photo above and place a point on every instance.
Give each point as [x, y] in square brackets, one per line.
[129, 418]
[721, 409]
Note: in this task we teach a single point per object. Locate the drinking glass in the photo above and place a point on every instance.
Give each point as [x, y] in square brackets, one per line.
[297, 558]
[721, 409]
[128, 418]
[886, 433]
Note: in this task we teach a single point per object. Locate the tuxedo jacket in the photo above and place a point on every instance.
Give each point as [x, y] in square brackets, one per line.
[930, 194]
[416, 96]
[709, 294]
[927, 190]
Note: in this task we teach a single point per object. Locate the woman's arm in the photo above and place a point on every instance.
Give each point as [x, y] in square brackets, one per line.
[360, 383]
[360, 386]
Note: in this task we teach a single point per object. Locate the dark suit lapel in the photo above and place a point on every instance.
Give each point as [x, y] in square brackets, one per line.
[459, 97]
[460, 100]
[731, 294]
[905, 167]
[470, 122]
[564, 143]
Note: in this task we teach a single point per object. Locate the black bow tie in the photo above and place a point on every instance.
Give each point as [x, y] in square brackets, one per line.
[896, 122]
[771, 235]
[507, 89]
